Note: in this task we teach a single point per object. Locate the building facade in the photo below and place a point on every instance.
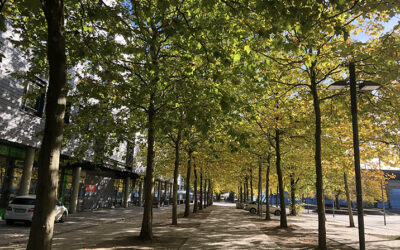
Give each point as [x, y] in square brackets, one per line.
[22, 104]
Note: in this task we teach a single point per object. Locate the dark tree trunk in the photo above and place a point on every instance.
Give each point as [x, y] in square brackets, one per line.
[259, 187]
[283, 220]
[267, 215]
[349, 208]
[241, 192]
[7, 183]
[271, 197]
[195, 202]
[187, 198]
[165, 192]
[159, 193]
[41, 232]
[209, 193]
[140, 198]
[323, 203]
[246, 189]
[337, 200]
[251, 184]
[205, 193]
[293, 196]
[201, 189]
[170, 193]
[176, 172]
[146, 232]
[318, 164]
[277, 196]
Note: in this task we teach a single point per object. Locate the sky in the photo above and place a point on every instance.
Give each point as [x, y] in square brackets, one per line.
[362, 37]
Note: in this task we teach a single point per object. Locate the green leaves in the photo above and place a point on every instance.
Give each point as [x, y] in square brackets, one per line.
[236, 57]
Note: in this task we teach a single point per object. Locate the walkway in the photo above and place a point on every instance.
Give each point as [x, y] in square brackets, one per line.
[217, 227]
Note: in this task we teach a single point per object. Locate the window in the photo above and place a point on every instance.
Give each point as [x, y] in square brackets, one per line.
[23, 201]
[67, 113]
[34, 98]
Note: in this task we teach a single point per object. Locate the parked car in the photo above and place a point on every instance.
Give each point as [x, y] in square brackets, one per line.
[21, 209]
[252, 208]
[247, 205]
[239, 205]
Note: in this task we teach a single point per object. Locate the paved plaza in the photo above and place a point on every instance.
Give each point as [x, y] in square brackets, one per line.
[220, 226]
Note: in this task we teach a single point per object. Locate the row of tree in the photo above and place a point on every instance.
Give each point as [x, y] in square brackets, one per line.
[234, 84]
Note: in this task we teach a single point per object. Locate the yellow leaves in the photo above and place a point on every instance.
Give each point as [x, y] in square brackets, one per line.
[247, 49]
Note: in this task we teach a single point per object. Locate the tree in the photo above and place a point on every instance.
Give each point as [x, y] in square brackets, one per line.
[41, 233]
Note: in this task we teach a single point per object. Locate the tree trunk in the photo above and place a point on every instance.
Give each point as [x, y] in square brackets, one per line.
[240, 193]
[293, 196]
[271, 197]
[349, 208]
[146, 232]
[201, 189]
[7, 183]
[337, 201]
[159, 193]
[209, 193]
[176, 172]
[170, 193]
[246, 193]
[205, 193]
[283, 220]
[259, 187]
[251, 184]
[267, 215]
[41, 232]
[140, 198]
[318, 164]
[195, 202]
[323, 204]
[187, 198]
[165, 192]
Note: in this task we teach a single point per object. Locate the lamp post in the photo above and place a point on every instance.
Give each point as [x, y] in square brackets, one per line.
[363, 85]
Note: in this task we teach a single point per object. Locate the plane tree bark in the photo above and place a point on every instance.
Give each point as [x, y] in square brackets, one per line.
[189, 170]
[348, 200]
[41, 232]
[283, 219]
[146, 232]
[201, 189]
[195, 203]
[251, 184]
[293, 190]
[177, 142]
[259, 186]
[318, 161]
[267, 215]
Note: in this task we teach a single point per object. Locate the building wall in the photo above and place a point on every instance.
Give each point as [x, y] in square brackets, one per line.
[16, 125]
[20, 128]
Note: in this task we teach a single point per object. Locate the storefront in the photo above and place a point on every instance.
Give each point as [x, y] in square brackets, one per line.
[12, 160]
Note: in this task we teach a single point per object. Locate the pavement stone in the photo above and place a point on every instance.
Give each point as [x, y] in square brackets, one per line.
[217, 227]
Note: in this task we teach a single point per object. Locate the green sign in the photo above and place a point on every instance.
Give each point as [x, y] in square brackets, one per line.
[3, 150]
[17, 153]
[12, 152]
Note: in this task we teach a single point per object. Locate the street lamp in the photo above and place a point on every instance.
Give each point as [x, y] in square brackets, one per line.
[362, 85]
